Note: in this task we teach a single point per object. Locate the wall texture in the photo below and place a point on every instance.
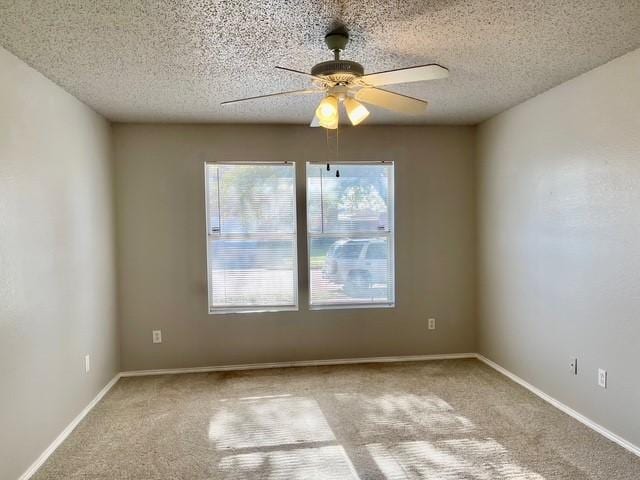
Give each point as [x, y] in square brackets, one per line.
[559, 242]
[57, 268]
[162, 262]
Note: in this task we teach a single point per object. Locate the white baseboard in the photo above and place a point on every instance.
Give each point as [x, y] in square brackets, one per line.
[300, 363]
[67, 431]
[561, 406]
[311, 363]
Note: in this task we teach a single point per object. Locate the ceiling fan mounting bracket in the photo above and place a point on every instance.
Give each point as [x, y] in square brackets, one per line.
[337, 71]
[336, 41]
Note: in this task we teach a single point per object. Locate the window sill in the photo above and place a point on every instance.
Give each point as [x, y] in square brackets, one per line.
[351, 306]
[257, 309]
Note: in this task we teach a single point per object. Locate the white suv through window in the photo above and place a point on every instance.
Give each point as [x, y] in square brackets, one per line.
[360, 265]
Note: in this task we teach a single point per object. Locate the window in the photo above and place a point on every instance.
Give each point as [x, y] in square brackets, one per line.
[251, 237]
[350, 235]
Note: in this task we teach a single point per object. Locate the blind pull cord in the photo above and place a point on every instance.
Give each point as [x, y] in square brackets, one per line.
[337, 150]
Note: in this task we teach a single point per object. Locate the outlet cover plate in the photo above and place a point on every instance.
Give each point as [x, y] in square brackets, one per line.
[602, 378]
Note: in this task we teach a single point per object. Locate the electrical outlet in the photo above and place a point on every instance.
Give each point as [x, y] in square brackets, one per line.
[431, 324]
[87, 363]
[157, 336]
[573, 365]
[602, 378]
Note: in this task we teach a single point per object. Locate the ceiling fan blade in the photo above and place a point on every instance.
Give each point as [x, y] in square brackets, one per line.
[391, 101]
[315, 122]
[292, 92]
[406, 75]
[298, 72]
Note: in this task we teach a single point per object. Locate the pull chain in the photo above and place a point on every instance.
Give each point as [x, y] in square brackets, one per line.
[338, 149]
[328, 156]
[329, 149]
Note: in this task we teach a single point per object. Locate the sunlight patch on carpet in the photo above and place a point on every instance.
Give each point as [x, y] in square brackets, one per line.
[483, 459]
[271, 421]
[323, 463]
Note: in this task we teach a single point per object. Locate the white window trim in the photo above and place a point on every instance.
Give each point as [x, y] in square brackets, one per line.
[390, 236]
[254, 308]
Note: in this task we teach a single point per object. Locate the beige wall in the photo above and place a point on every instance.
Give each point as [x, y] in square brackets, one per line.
[161, 247]
[57, 269]
[559, 242]
[557, 238]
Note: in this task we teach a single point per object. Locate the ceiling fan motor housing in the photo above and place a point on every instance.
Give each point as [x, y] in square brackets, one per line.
[338, 70]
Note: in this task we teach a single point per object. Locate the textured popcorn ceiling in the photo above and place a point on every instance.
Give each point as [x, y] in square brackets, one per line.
[175, 61]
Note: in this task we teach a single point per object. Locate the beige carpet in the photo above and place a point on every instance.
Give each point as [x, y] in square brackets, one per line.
[455, 419]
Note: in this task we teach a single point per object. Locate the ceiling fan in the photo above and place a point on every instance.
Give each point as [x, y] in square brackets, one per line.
[344, 81]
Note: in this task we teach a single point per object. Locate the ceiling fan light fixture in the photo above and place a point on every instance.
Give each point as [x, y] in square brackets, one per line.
[327, 112]
[344, 81]
[331, 124]
[356, 111]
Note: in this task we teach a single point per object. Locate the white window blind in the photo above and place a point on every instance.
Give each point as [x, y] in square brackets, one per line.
[350, 235]
[251, 237]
